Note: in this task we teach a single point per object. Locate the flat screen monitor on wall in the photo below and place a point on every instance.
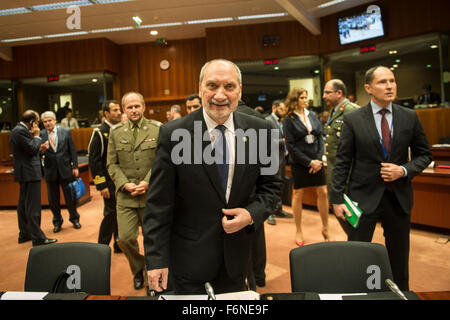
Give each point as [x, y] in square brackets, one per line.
[359, 27]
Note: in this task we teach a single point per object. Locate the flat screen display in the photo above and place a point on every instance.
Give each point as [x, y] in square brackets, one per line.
[366, 25]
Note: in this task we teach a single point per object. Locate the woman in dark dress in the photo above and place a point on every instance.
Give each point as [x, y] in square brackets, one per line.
[304, 140]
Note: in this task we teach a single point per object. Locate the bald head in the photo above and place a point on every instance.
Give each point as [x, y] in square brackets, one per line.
[334, 93]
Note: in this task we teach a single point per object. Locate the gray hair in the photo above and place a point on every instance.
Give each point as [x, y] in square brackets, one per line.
[176, 108]
[48, 114]
[238, 71]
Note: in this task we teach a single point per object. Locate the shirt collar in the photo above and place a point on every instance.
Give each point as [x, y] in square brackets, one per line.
[306, 111]
[376, 108]
[138, 124]
[275, 116]
[54, 130]
[211, 124]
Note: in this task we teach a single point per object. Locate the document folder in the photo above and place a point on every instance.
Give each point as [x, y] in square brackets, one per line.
[354, 210]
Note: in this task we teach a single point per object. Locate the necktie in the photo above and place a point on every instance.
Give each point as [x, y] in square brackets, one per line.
[385, 133]
[221, 156]
[135, 131]
[52, 140]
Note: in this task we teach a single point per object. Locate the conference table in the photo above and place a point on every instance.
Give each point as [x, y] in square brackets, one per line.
[434, 295]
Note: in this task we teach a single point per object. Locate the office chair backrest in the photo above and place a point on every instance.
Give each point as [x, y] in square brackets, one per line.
[339, 267]
[87, 264]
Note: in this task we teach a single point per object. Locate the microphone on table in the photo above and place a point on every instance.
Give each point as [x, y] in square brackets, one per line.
[210, 291]
[393, 287]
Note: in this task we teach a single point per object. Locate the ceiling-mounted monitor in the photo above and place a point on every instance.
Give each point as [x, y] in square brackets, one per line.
[359, 27]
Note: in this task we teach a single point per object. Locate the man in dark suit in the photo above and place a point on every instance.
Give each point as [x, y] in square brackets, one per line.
[60, 165]
[374, 142]
[98, 150]
[205, 235]
[25, 146]
[276, 118]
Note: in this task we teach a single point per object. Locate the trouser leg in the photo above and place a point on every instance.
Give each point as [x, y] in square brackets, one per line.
[54, 202]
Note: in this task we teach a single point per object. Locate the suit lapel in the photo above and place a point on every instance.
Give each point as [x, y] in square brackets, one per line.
[372, 131]
[396, 124]
[59, 135]
[239, 168]
[210, 169]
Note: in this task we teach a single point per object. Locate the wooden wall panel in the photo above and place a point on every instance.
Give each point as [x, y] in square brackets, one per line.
[186, 58]
[245, 42]
[129, 69]
[435, 123]
[91, 55]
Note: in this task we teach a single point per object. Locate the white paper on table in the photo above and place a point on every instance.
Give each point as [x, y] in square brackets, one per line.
[241, 295]
[338, 296]
[19, 295]
[183, 297]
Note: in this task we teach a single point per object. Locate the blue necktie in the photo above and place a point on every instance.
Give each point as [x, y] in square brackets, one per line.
[221, 156]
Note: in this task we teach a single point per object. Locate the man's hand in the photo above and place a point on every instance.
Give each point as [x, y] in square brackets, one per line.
[141, 188]
[340, 209]
[157, 279]
[35, 131]
[105, 193]
[130, 187]
[44, 147]
[241, 219]
[75, 172]
[391, 172]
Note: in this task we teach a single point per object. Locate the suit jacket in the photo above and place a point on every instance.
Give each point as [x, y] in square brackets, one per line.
[61, 161]
[25, 150]
[97, 159]
[360, 144]
[280, 139]
[131, 161]
[183, 219]
[295, 131]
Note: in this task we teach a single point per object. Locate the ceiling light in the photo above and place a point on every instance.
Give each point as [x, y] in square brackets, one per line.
[57, 35]
[60, 5]
[170, 24]
[276, 68]
[22, 39]
[329, 3]
[397, 60]
[7, 12]
[209, 20]
[434, 46]
[316, 71]
[392, 68]
[395, 65]
[393, 51]
[262, 16]
[94, 80]
[111, 29]
[153, 32]
[428, 65]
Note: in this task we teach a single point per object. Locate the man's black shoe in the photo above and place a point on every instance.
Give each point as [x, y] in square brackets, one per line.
[57, 229]
[24, 239]
[271, 220]
[260, 282]
[43, 242]
[77, 225]
[138, 280]
[283, 214]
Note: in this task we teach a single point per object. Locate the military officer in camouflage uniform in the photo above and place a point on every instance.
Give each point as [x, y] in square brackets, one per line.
[334, 96]
[98, 148]
[131, 151]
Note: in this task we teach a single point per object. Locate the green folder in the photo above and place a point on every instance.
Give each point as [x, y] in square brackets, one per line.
[354, 210]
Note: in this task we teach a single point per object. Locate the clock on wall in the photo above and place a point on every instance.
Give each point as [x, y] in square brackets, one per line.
[164, 64]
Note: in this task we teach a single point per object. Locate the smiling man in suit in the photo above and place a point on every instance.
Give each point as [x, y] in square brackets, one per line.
[374, 144]
[60, 166]
[200, 216]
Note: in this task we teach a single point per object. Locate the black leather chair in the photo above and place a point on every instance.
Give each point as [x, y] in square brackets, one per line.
[339, 267]
[54, 263]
